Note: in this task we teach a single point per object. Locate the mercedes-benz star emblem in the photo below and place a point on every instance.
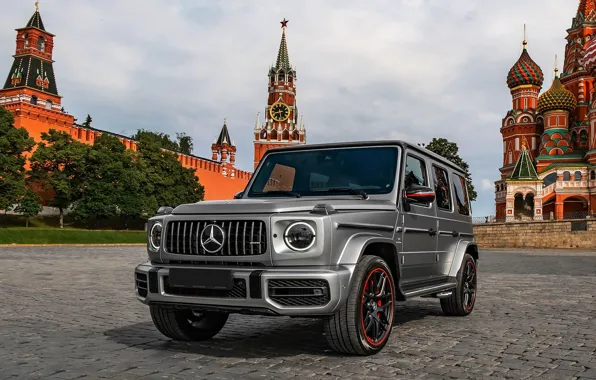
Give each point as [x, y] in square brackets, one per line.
[212, 238]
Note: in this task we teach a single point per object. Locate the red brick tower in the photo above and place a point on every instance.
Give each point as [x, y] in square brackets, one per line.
[523, 122]
[224, 151]
[575, 77]
[30, 91]
[281, 125]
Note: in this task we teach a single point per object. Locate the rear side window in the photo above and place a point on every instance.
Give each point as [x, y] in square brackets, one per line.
[461, 194]
[415, 172]
[442, 191]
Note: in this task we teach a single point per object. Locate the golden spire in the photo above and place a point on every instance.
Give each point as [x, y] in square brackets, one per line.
[37, 6]
[525, 43]
[556, 67]
[524, 146]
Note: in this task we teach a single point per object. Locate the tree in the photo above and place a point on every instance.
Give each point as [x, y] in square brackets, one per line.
[449, 150]
[58, 165]
[14, 142]
[113, 184]
[29, 205]
[184, 143]
[158, 138]
[88, 120]
[172, 183]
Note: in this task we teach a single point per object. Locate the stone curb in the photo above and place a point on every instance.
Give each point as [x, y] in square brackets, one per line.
[74, 245]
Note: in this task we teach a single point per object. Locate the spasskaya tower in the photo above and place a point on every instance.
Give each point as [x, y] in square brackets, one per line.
[281, 125]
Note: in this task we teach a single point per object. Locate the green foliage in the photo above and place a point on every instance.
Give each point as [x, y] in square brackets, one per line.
[58, 164]
[13, 143]
[183, 143]
[449, 150]
[172, 183]
[29, 205]
[114, 183]
[88, 121]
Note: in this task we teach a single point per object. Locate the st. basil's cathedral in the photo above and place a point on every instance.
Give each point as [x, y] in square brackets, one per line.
[30, 93]
[549, 141]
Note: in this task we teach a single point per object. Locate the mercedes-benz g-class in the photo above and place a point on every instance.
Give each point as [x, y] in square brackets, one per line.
[335, 231]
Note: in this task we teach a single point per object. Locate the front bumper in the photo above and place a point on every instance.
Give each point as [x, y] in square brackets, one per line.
[289, 291]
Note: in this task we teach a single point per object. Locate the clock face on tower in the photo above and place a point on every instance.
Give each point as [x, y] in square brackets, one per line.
[279, 112]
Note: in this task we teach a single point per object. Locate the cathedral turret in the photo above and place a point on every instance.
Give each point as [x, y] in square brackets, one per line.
[281, 113]
[522, 124]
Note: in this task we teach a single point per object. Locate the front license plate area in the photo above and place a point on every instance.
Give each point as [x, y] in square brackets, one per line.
[201, 278]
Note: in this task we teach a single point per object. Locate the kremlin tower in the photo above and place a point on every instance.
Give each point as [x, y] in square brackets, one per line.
[549, 140]
[281, 125]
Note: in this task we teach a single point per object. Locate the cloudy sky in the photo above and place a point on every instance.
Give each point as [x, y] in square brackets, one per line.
[407, 69]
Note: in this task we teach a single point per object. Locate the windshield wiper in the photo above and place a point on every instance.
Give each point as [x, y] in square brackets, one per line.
[348, 190]
[278, 192]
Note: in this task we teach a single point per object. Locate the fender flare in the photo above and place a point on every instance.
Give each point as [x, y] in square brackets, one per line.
[463, 246]
[355, 247]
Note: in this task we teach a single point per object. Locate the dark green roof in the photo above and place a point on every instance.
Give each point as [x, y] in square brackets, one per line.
[35, 22]
[30, 71]
[224, 136]
[283, 58]
[524, 168]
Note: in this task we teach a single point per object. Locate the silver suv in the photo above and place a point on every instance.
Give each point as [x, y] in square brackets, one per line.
[335, 231]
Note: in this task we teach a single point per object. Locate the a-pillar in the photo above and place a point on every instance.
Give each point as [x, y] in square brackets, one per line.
[559, 207]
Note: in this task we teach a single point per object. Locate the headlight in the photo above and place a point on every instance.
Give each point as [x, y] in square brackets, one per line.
[299, 236]
[155, 236]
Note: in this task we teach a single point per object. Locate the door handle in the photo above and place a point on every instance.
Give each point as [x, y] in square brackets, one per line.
[432, 232]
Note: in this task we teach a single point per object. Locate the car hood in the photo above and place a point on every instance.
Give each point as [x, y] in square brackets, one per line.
[279, 205]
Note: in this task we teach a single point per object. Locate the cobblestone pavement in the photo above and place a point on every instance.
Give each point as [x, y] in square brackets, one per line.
[69, 313]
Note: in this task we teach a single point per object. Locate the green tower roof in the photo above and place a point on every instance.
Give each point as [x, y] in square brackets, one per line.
[524, 168]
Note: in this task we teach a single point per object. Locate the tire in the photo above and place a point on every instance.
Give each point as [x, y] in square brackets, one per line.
[462, 300]
[185, 325]
[345, 330]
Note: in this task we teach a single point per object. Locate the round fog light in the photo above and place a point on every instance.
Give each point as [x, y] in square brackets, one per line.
[299, 236]
[155, 236]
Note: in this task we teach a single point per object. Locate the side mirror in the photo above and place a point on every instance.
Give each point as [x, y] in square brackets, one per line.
[165, 210]
[419, 194]
[238, 195]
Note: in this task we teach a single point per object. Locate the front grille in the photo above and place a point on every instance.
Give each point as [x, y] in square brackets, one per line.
[218, 263]
[299, 292]
[241, 238]
[141, 283]
[237, 291]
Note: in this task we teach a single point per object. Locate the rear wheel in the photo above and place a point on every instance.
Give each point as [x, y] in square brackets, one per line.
[363, 325]
[187, 325]
[462, 300]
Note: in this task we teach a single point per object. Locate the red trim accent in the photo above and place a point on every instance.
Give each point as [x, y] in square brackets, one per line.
[362, 305]
[416, 195]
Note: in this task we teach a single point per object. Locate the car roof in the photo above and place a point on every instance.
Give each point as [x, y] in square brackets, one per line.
[355, 144]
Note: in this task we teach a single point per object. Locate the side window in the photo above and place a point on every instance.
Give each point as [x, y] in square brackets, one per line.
[415, 172]
[461, 194]
[442, 191]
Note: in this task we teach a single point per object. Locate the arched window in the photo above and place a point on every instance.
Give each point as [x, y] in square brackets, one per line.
[49, 104]
[41, 44]
[274, 134]
[25, 36]
[34, 99]
[583, 136]
[573, 136]
[566, 176]
[285, 135]
[593, 175]
[577, 176]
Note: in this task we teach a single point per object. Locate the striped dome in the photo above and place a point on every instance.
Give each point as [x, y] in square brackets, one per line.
[524, 72]
[557, 98]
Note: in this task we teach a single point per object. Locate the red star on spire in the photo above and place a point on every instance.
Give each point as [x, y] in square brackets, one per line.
[284, 23]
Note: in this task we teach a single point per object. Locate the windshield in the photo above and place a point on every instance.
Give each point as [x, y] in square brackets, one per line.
[359, 170]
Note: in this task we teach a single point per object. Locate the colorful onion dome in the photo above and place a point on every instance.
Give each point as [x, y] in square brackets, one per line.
[555, 142]
[590, 57]
[525, 71]
[557, 97]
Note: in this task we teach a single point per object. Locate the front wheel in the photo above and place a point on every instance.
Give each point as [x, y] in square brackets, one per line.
[187, 325]
[363, 324]
[462, 300]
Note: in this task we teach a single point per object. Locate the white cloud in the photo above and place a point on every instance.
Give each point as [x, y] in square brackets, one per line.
[487, 184]
[411, 69]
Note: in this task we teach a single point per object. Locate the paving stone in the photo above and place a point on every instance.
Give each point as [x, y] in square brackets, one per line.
[70, 313]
